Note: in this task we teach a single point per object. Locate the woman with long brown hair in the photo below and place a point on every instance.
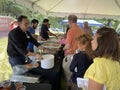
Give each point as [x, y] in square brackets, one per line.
[106, 67]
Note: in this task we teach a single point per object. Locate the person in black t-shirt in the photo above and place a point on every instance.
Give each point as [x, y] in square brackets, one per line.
[45, 31]
[18, 39]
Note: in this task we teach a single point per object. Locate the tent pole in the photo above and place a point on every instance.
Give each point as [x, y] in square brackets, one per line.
[33, 7]
[32, 14]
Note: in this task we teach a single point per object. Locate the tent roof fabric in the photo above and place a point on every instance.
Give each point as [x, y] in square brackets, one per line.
[82, 8]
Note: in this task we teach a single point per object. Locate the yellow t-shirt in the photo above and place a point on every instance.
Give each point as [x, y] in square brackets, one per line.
[105, 71]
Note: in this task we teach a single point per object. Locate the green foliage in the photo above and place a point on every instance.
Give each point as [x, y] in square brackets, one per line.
[114, 22]
[9, 8]
[55, 21]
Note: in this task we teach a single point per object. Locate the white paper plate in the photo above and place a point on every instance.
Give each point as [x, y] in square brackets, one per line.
[50, 47]
[48, 61]
[83, 83]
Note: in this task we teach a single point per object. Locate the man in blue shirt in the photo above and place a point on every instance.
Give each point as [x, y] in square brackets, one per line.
[34, 24]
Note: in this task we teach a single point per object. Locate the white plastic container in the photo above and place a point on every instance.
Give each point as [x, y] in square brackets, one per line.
[48, 61]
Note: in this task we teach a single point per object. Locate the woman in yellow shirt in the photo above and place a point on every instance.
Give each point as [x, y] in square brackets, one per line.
[106, 67]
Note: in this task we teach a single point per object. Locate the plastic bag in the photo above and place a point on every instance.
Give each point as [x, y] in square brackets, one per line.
[19, 69]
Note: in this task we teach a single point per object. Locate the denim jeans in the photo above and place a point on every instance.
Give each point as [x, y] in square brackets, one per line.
[17, 60]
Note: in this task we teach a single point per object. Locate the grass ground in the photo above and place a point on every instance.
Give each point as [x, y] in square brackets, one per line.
[5, 68]
[3, 51]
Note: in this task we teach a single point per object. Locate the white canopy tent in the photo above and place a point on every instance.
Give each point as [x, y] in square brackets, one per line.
[81, 8]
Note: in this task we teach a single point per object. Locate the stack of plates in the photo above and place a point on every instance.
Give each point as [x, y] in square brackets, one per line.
[48, 61]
